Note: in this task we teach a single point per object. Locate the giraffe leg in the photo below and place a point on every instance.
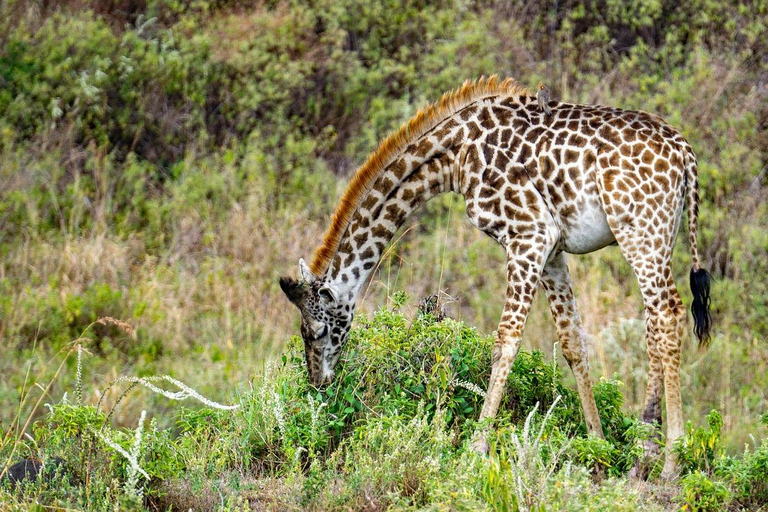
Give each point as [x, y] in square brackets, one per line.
[573, 340]
[673, 329]
[667, 326]
[644, 216]
[651, 414]
[666, 322]
[655, 388]
[526, 257]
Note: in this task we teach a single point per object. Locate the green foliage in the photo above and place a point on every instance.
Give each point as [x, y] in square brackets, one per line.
[283, 82]
[714, 479]
[532, 468]
[206, 440]
[700, 448]
[610, 401]
[391, 430]
[440, 365]
[747, 476]
[391, 458]
[699, 492]
[593, 452]
[496, 487]
[74, 71]
[65, 318]
[70, 432]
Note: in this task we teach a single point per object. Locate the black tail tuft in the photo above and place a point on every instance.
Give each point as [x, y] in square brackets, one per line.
[702, 320]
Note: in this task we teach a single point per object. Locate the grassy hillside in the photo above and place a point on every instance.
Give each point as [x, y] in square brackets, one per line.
[162, 162]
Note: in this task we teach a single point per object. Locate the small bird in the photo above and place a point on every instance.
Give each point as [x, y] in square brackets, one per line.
[543, 96]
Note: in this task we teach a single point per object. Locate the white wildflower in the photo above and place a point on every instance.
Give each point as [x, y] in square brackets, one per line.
[56, 111]
[185, 391]
[471, 386]
[315, 413]
[279, 412]
[132, 456]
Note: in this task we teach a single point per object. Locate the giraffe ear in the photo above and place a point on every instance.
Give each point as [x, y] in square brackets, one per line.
[329, 294]
[306, 274]
[292, 289]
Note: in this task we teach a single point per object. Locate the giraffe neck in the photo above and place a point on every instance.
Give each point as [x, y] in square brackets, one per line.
[423, 170]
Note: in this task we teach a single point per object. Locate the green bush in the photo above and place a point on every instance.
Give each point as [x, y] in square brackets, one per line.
[700, 448]
[438, 364]
[393, 429]
[700, 492]
[747, 477]
[593, 452]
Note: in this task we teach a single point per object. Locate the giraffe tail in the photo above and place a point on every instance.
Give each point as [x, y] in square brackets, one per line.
[700, 279]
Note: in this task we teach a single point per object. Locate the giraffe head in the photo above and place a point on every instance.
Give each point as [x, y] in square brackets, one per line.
[325, 321]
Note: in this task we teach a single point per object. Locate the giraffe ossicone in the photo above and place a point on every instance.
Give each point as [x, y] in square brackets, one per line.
[542, 184]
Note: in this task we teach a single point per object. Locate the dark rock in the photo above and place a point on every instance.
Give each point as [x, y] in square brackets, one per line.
[31, 469]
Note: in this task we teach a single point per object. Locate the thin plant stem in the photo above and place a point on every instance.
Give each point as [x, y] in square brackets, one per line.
[25, 396]
[34, 410]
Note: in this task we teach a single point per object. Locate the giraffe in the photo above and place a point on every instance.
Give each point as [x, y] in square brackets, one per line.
[541, 186]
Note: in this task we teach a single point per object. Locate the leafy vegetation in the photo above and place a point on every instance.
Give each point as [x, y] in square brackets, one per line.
[373, 439]
[162, 161]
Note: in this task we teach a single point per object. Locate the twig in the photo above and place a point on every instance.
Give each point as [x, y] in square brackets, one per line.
[34, 409]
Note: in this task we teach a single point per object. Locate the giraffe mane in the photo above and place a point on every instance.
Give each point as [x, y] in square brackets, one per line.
[425, 119]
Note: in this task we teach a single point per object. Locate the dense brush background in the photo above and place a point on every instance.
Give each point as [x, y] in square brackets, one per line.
[162, 162]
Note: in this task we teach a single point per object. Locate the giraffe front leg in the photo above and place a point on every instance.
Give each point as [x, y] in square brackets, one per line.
[572, 336]
[504, 353]
[525, 261]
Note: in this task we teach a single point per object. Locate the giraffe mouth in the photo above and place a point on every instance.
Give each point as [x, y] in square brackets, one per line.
[322, 380]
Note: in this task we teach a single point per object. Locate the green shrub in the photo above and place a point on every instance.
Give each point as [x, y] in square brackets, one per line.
[393, 365]
[699, 492]
[389, 431]
[700, 448]
[748, 477]
[596, 453]
[388, 461]
[55, 319]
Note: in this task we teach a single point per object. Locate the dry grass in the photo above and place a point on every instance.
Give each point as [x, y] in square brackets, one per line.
[258, 494]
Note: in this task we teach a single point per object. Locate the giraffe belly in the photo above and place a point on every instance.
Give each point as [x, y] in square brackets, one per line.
[588, 231]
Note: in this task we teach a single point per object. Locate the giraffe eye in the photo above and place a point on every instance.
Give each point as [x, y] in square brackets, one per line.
[316, 337]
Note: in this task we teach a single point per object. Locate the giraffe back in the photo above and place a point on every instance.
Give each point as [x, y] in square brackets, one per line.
[589, 167]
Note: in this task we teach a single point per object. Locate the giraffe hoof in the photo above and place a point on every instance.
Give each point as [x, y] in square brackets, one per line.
[669, 472]
[639, 472]
[480, 445]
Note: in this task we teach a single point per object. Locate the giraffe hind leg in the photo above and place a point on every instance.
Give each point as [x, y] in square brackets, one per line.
[666, 323]
[651, 414]
[645, 232]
